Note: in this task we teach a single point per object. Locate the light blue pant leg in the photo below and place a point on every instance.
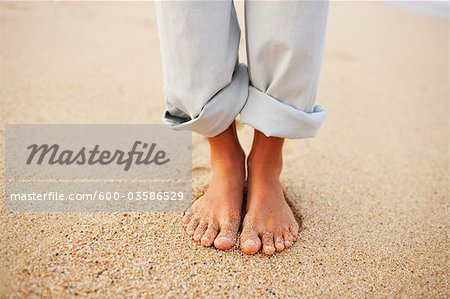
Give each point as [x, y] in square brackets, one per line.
[285, 42]
[204, 87]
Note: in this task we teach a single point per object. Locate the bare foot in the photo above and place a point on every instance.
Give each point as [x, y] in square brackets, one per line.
[269, 222]
[215, 217]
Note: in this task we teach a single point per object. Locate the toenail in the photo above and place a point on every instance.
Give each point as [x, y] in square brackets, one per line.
[224, 239]
[269, 249]
[250, 243]
[206, 243]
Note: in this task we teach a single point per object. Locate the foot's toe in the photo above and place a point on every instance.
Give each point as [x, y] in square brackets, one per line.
[192, 226]
[279, 242]
[224, 242]
[288, 238]
[209, 236]
[227, 237]
[294, 231]
[268, 246]
[250, 242]
[186, 217]
[200, 231]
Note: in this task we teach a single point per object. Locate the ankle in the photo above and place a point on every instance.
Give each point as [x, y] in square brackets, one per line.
[264, 165]
[229, 162]
[227, 155]
[265, 158]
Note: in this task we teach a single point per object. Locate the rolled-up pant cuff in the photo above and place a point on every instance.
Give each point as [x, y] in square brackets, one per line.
[275, 118]
[220, 111]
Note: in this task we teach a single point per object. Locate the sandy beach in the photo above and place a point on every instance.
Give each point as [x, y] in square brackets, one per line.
[371, 189]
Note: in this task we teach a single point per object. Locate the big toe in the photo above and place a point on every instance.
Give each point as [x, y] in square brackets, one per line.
[250, 242]
[226, 238]
[223, 242]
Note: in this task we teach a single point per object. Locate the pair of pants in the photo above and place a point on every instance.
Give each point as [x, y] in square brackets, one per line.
[205, 87]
